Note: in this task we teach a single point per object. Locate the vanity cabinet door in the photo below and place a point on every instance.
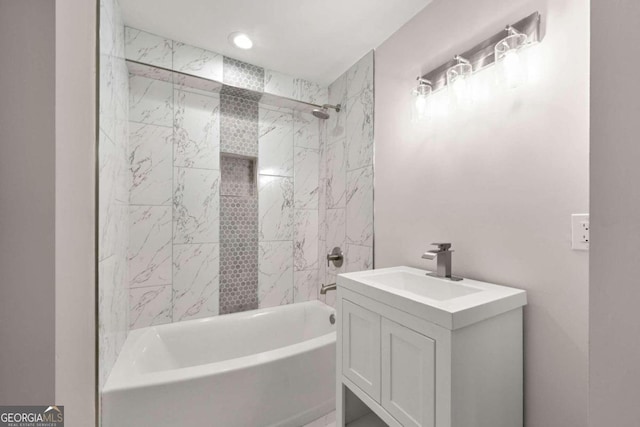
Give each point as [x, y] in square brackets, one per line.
[361, 348]
[408, 375]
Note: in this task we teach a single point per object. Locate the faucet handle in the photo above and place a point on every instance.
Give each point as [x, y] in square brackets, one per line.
[336, 256]
[442, 246]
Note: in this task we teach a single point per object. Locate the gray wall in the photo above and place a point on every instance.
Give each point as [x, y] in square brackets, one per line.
[27, 202]
[499, 179]
[75, 209]
[47, 222]
[614, 265]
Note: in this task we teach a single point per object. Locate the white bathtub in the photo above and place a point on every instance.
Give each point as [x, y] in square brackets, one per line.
[267, 367]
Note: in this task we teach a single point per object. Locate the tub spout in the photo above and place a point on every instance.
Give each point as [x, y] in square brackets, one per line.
[325, 288]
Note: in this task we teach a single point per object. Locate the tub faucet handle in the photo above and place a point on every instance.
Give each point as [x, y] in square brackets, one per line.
[336, 256]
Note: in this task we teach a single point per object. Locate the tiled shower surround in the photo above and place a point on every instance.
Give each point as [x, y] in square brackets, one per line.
[228, 204]
[224, 199]
[210, 204]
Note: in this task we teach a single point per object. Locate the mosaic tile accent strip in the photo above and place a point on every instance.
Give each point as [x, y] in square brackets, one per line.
[242, 74]
[239, 254]
[239, 126]
[241, 93]
[238, 177]
[239, 205]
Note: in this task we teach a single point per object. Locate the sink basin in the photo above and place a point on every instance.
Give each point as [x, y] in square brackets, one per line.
[450, 304]
[421, 284]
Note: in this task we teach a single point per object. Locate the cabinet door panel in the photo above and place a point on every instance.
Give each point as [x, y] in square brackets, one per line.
[408, 375]
[361, 348]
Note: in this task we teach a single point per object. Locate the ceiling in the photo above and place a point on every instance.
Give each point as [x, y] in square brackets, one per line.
[315, 40]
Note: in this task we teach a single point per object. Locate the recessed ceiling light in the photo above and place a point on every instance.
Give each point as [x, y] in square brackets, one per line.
[240, 40]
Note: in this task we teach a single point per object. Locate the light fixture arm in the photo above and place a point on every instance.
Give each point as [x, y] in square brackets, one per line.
[461, 60]
[512, 31]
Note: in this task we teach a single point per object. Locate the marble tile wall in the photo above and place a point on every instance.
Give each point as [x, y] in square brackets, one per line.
[194, 249]
[294, 88]
[174, 212]
[288, 189]
[174, 163]
[161, 51]
[346, 175]
[196, 61]
[113, 151]
[306, 196]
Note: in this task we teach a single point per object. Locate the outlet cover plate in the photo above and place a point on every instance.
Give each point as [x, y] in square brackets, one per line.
[580, 232]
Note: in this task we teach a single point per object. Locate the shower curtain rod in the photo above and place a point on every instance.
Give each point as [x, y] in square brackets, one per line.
[214, 86]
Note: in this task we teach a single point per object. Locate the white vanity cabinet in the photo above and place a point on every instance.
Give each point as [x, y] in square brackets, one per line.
[408, 374]
[452, 358]
[361, 358]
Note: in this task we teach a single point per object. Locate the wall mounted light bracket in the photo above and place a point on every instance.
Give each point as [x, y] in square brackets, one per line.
[483, 54]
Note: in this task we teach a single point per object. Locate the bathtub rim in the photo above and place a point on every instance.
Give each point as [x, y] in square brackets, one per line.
[121, 379]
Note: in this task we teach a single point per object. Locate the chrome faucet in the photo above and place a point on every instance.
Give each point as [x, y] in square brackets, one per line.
[442, 255]
[325, 288]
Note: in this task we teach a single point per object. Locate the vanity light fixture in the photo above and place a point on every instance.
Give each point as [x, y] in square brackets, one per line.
[503, 47]
[240, 40]
[507, 51]
[421, 95]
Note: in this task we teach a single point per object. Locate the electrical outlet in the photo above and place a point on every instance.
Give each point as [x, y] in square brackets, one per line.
[580, 232]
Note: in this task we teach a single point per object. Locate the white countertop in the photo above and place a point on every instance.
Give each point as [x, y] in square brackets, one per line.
[447, 303]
